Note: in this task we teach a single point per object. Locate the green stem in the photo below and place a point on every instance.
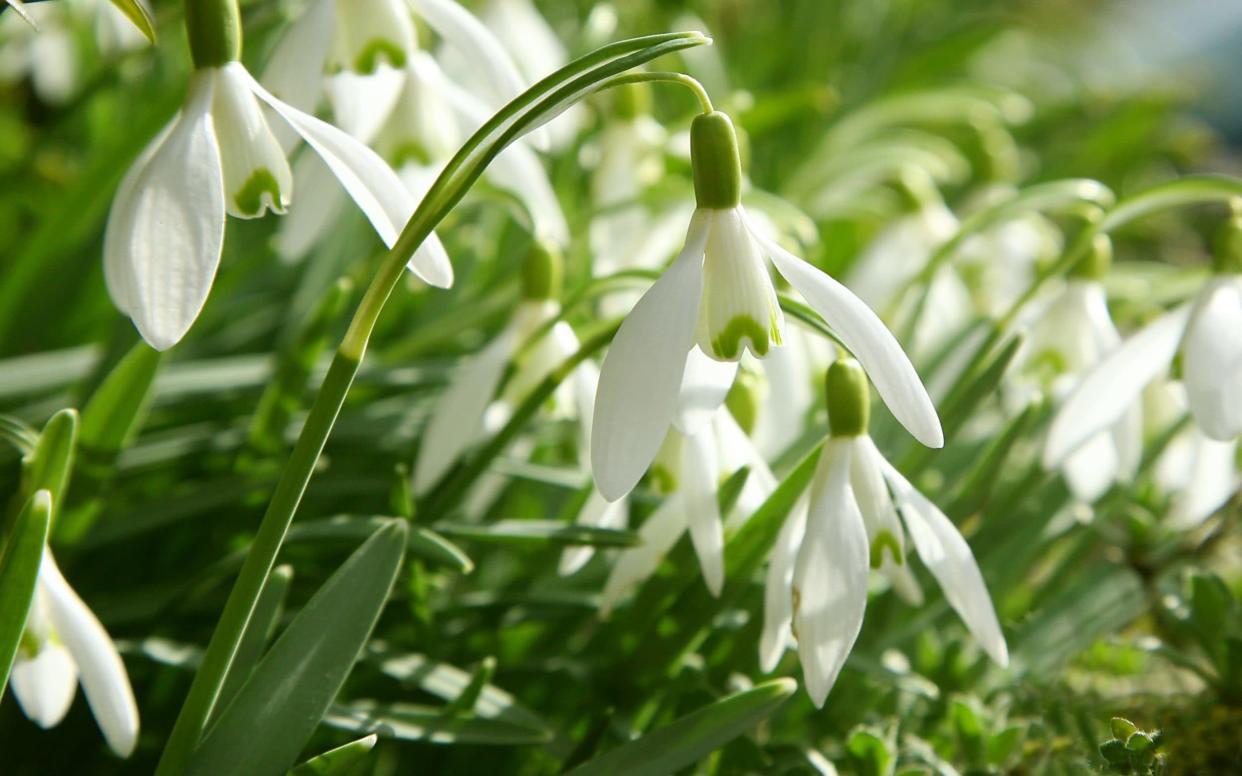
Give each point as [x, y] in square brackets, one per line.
[680, 79]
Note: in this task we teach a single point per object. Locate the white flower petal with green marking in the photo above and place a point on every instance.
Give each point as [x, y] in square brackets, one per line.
[164, 237]
[1212, 351]
[256, 174]
[738, 310]
[830, 574]
[642, 372]
[46, 681]
[862, 332]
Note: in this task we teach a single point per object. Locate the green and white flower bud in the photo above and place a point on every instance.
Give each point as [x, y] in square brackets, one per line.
[215, 32]
[542, 272]
[1097, 261]
[715, 160]
[849, 399]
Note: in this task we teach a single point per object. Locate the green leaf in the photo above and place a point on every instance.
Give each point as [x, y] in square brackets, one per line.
[275, 712]
[341, 761]
[1122, 728]
[1003, 745]
[48, 468]
[423, 542]
[694, 736]
[19, 571]
[136, 13]
[258, 632]
[410, 722]
[527, 531]
[869, 753]
[113, 412]
[1211, 611]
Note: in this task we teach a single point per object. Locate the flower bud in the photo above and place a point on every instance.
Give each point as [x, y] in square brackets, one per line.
[716, 162]
[542, 272]
[1229, 243]
[849, 398]
[1097, 261]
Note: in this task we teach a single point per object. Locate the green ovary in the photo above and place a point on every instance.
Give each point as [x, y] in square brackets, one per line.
[377, 51]
[728, 344]
[885, 540]
[249, 198]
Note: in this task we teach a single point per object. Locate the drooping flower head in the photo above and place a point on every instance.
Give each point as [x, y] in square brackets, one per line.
[717, 297]
[857, 516]
[165, 231]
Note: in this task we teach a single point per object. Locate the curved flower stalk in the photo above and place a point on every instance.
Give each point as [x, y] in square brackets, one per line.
[717, 297]
[857, 516]
[421, 132]
[165, 231]
[65, 644]
[1066, 338]
[466, 410]
[688, 471]
[1204, 332]
[1197, 473]
[361, 49]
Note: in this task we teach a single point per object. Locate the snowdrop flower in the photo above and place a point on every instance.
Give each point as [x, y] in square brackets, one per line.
[166, 227]
[363, 47]
[466, 409]
[717, 297]
[689, 470]
[817, 578]
[1204, 332]
[1199, 474]
[430, 120]
[1067, 338]
[65, 644]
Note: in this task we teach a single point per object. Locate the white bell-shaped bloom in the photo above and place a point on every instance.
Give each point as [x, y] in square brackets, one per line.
[166, 227]
[689, 471]
[470, 406]
[858, 516]
[1069, 336]
[718, 296]
[1199, 474]
[64, 645]
[1205, 332]
[357, 51]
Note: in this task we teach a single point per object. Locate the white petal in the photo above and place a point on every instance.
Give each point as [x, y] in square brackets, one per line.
[830, 576]
[862, 332]
[661, 531]
[597, 512]
[430, 263]
[949, 559]
[739, 310]
[256, 173]
[699, 472]
[1213, 360]
[1213, 480]
[472, 38]
[295, 68]
[874, 501]
[704, 386]
[736, 450]
[315, 212]
[104, 681]
[370, 182]
[458, 414]
[642, 372]
[45, 684]
[1113, 385]
[164, 238]
[361, 103]
[1092, 469]
[778, 589]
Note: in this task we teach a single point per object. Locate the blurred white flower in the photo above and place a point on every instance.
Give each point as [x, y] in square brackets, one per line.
[467, 410]
[1204, 332]
[717, 298]
[64, 644]
[816, 591]
[165, 230]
